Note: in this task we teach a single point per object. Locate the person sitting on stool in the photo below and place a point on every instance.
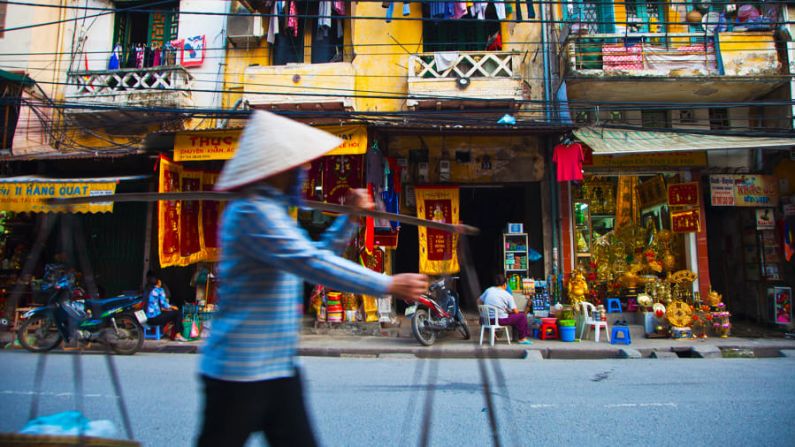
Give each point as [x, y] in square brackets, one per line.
[159, 311]
[507, 312]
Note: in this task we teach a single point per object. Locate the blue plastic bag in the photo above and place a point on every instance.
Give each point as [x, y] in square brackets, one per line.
[69, 423]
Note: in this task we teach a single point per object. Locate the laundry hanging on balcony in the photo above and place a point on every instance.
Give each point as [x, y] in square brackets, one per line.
[441, 10]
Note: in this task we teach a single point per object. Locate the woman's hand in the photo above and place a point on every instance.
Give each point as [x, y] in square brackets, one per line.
[359, 198]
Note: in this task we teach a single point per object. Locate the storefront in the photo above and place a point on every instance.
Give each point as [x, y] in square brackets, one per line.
[186, 232]
[492, 179]
[635, 227]
[35, 233]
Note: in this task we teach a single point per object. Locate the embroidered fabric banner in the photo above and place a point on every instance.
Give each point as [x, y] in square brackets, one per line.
[438, 249]
[340, 173]
[168, 214]
[210, 217]
[187, 230]
[189, 215]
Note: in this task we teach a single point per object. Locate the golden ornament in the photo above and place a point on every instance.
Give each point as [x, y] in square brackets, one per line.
[679, 313]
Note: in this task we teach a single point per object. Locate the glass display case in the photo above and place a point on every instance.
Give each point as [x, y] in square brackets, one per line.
[583, 232]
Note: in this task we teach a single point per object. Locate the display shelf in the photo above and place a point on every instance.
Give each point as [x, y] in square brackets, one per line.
[515, 250]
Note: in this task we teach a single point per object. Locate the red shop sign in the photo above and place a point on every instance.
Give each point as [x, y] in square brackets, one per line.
[683, 194]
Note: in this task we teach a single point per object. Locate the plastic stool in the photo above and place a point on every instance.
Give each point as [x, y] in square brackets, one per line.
[625, 337]
[151, 332]
[548, 331]
[613, 305]
[632, 304]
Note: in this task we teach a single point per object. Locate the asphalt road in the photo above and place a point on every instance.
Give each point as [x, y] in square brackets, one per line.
[366, 402]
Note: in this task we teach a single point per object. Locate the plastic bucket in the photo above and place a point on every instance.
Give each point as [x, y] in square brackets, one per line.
[567, 333]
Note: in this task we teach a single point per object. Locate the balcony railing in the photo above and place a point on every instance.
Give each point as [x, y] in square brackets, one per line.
[465, 77]
[472, 64]
[166, 85]
[671, 55]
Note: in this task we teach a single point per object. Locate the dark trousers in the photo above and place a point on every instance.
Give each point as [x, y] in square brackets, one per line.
[234, 410]
[519, 324]
[174, 316]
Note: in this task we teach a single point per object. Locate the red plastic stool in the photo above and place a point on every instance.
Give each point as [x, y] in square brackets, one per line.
[549, 330]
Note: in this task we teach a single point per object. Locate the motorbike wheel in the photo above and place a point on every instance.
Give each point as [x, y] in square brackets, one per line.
[422, 333]
[39, 333]
[463, 328]
[128, 339]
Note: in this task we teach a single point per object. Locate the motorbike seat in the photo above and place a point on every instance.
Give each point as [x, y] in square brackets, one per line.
[99, 306]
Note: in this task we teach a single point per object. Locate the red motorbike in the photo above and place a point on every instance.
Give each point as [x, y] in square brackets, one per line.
[436, 312]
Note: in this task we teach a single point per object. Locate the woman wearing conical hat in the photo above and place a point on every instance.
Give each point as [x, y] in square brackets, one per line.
[248, 364]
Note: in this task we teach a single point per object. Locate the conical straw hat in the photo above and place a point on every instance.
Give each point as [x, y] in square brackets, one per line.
[271, 144]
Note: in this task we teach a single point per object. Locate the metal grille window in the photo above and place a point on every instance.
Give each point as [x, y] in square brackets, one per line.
[655, 119]
[719, 119]
[590, 17]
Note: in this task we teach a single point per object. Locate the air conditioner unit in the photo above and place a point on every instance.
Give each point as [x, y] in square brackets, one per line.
[244, 30]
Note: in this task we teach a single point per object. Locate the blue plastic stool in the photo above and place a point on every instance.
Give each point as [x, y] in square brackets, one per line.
[613, 305]
[625, 337]
[151, 332]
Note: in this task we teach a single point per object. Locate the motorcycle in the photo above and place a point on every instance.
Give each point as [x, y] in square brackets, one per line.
[115, 321]
[435, 312]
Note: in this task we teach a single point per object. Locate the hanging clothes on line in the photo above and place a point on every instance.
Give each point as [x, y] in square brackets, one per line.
[115, 58]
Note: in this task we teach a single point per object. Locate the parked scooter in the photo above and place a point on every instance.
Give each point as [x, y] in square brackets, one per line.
[115, 321]
[435, 312]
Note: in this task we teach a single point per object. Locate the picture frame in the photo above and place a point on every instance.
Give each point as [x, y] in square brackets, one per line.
[192, 51]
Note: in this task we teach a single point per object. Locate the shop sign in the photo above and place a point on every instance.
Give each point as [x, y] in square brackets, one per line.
[354, 139]
[789, 209]
[764, 219]
[222, 144]
[32, 196]
[438, 249]
[688, 221]
[743, 190]
[683, 194]
[651, 160]
[386, 239]
[199, 146]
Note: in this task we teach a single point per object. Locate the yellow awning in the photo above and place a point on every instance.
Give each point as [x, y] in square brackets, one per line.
[604, 141]
[29, 193]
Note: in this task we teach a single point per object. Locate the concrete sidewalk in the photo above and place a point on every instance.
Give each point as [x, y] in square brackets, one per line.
[398, 342]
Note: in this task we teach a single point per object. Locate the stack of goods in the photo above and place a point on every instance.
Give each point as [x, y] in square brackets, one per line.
[334, 310]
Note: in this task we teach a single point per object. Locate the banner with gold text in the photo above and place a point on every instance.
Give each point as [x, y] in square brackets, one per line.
[30, 196]
[222, 144]
[199, 146]
[438, 249]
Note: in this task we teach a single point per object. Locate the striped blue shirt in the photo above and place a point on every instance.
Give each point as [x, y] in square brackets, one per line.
[264, 258]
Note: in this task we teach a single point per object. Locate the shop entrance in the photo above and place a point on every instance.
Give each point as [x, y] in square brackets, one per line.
[490, 208]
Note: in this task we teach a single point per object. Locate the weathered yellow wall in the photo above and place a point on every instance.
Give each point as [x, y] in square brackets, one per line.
[510, 159]
[382, 54]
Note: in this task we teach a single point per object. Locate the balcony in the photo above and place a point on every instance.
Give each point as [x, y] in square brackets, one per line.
[473, 79]
[130, 95]
[329, 86]
[674, 67]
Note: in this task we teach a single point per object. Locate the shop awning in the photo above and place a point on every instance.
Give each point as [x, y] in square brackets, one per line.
[16, 77]
[29, 193]
[605, 141]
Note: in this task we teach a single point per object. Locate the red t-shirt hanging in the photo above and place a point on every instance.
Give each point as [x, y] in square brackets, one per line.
[569, 160]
